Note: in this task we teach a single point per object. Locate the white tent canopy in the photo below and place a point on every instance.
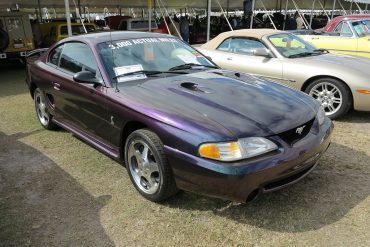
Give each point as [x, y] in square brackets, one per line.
[232, 4]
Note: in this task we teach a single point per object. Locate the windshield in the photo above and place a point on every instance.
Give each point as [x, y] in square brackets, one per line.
[361, 27]
[289, 45]
[147, 54]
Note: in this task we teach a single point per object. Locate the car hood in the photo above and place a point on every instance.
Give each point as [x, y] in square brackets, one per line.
[361, 64]
[220, 103]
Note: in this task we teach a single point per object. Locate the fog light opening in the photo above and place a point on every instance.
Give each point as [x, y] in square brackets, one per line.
[253, 195]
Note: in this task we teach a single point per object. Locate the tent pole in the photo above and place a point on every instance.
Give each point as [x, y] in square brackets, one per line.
[150, 14]
[68, 17]
[332, 10]
[253, 4]
[227, 8]
[40, 12]
[286, 12]
[312, 9]
[209, 3]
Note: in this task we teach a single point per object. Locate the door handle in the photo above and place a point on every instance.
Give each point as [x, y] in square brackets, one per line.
[56, 86]
[315, 38]
[229, 58]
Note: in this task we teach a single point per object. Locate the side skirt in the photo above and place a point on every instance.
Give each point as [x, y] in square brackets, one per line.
[92, 141]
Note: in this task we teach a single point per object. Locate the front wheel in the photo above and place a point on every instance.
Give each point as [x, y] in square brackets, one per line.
[41, 110]
[148, 167]
[333, 95]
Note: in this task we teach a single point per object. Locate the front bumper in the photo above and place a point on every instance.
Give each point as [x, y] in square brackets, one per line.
[241, 181]
[361, 101]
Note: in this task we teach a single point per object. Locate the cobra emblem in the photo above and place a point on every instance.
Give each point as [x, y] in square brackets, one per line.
[300, 130]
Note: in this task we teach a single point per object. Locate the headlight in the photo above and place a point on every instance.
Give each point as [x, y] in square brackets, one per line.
[321, 115]
[242, 149]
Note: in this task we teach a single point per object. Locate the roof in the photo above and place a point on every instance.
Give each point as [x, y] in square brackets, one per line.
[101, 37]
[252, 33]
[351, 17]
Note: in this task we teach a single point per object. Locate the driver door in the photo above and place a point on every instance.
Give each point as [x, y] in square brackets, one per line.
[80, 106]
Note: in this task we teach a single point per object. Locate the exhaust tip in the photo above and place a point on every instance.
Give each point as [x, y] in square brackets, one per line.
[253, 195]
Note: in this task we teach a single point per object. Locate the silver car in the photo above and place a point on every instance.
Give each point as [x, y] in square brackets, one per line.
[339, 82]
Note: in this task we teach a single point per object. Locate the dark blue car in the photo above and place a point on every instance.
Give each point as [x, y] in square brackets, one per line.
[174, 118]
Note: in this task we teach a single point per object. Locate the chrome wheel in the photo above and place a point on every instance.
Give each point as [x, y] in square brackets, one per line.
[41, 110]
[329, 95]
[143, 167]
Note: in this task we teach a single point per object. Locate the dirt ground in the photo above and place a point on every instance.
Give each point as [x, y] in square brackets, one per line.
[57, 191]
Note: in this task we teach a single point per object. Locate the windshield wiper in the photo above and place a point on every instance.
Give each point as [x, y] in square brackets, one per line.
[309, 53]
[148, 73]
[191, 65]
[304, 54]
[322, 50]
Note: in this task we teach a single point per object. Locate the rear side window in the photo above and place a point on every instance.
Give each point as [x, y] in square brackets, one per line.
[241, 46]
[55, 55]
[346, 30]
[77, 57]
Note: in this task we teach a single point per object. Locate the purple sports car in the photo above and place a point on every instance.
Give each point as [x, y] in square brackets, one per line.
[174, 118]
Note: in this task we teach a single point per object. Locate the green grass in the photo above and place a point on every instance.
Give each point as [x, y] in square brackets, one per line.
[56, 190]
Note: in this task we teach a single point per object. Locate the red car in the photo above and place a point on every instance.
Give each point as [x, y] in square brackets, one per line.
[335, 22]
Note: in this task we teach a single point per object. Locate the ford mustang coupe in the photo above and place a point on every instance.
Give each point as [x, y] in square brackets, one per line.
[175, 119]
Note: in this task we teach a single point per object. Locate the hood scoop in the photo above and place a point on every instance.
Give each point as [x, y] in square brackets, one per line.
[195, 87]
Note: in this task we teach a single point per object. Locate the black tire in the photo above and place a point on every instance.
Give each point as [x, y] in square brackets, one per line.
[342, 92]
[44, 117]
[4, 39]
[166, 185]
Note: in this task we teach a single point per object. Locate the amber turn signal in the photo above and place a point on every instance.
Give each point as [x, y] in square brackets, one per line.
[363, 91]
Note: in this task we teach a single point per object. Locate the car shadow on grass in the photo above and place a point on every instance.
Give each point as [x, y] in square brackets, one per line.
[42, 205]
[338, 184]
[355, 117]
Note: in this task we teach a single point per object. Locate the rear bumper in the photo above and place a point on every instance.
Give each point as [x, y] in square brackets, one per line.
[241, 181]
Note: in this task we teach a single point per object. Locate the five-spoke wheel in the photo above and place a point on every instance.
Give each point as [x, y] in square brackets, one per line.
[148, 167]
[41, 110]
[143, 167]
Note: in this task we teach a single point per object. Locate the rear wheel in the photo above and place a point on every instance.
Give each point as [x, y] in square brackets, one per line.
[148, 167]
[333, 95]
[41, 110]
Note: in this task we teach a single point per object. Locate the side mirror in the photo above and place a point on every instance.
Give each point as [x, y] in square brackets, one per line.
[86, 77]
[262, 52]
[209, 58]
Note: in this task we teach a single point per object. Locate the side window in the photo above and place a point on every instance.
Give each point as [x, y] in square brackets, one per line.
[55, 55]
[346, 30]
[245, 46]
[338, 29]
[77, 57]
[225, 45]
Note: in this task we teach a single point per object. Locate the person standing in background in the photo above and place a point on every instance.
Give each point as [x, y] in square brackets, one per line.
[299, 20]
[184, 28]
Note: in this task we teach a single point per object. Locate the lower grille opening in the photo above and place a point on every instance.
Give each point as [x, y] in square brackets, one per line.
[294, 135]
[287, 180]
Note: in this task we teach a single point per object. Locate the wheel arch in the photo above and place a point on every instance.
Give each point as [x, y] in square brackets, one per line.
[314, 78]
[127, 129]
[33, 87]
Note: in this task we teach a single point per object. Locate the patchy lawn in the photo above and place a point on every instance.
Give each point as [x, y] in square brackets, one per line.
[56, 190]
